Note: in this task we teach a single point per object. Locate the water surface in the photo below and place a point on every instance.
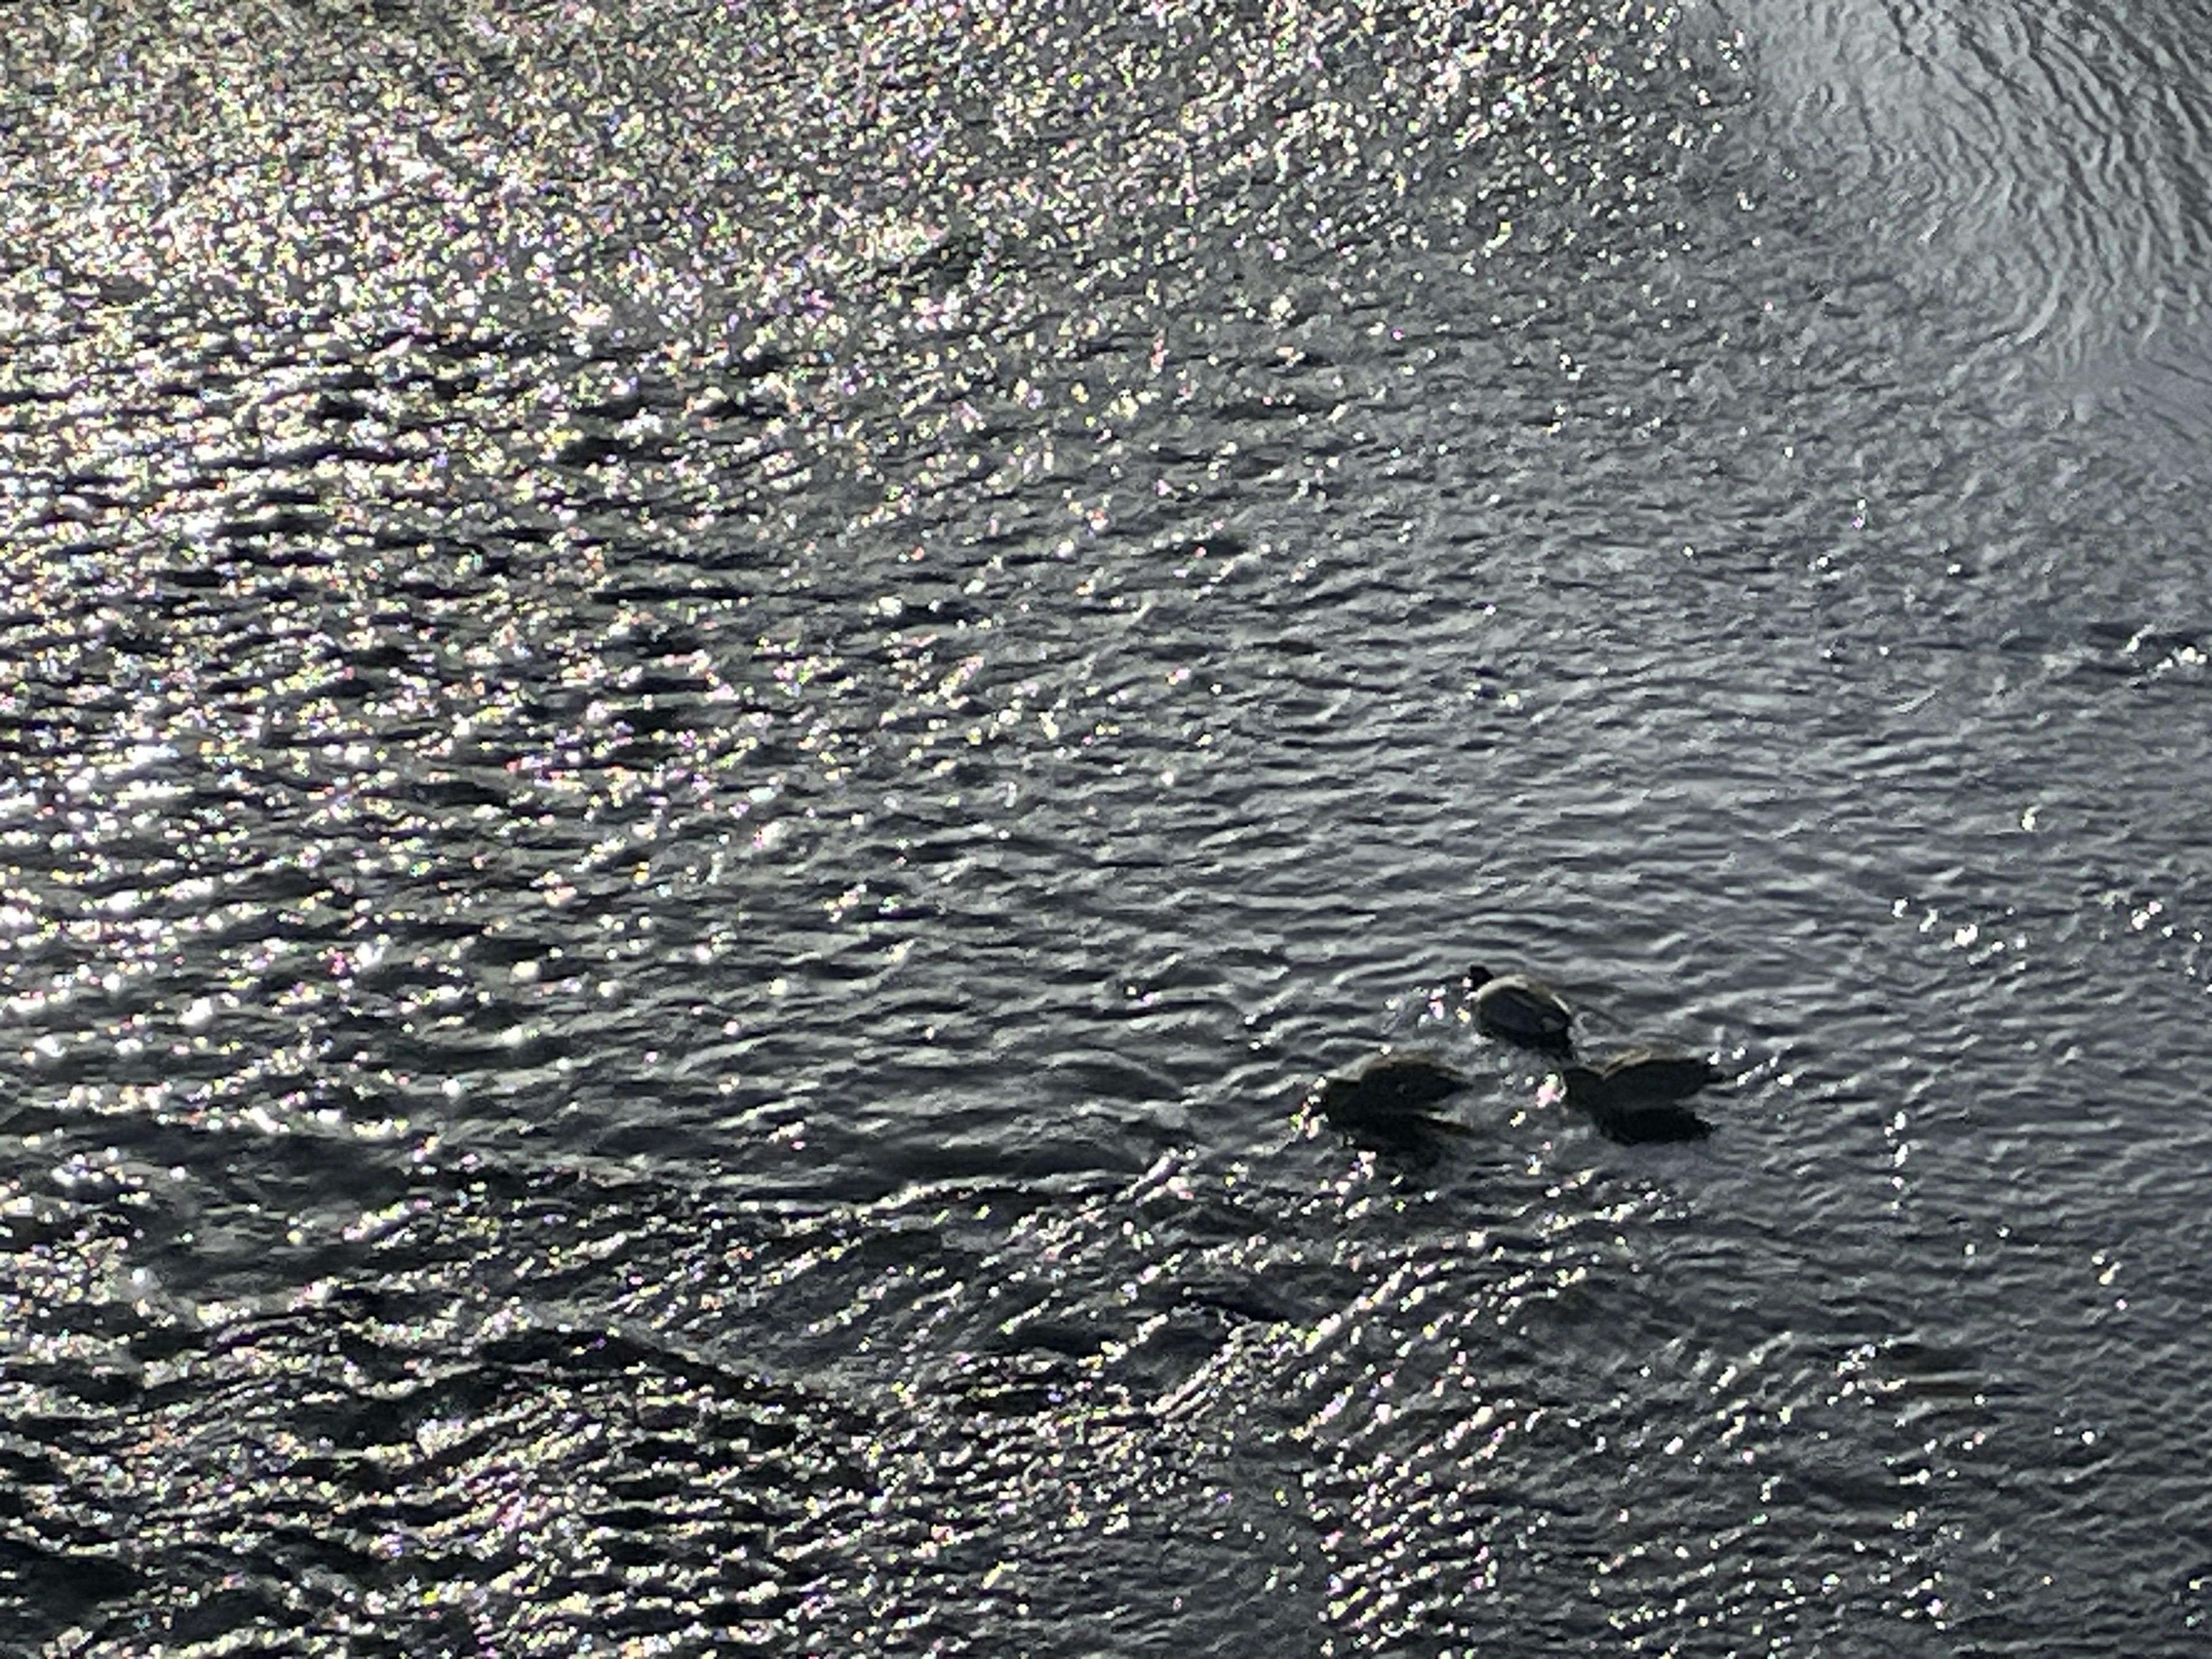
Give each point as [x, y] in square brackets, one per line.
[709, 715]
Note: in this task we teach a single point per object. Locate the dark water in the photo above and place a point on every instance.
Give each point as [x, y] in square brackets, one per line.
[706, 715]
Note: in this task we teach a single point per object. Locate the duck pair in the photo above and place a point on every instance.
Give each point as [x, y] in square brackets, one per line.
[1636, 1095]
[1393, 1091]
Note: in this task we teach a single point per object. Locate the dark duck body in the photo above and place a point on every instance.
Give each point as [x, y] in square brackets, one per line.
[1388, 1091]
[1641, 1094]
[1518, 1008]
[1388, 1106]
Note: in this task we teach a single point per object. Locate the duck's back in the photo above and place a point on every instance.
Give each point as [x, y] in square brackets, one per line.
[1657, 1074]
[1519, 1009]
[1639, 1123]
[1389, 1086]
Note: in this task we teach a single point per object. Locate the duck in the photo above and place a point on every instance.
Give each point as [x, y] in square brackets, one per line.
[1390, 1093]
[1639, 1094]
[1390, 1085]
[1520, 1008]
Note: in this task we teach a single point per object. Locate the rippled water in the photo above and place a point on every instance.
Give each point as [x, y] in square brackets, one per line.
[708, 714]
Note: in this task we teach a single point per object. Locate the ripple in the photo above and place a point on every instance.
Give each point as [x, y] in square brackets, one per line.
[2055, 136]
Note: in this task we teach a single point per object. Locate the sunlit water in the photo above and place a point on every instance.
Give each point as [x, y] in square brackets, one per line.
[709, 716]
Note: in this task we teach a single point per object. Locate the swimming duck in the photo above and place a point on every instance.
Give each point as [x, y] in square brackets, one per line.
[1385, 1106]
[1518, 1008]
[1639, 1094]
[1387, 1089]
